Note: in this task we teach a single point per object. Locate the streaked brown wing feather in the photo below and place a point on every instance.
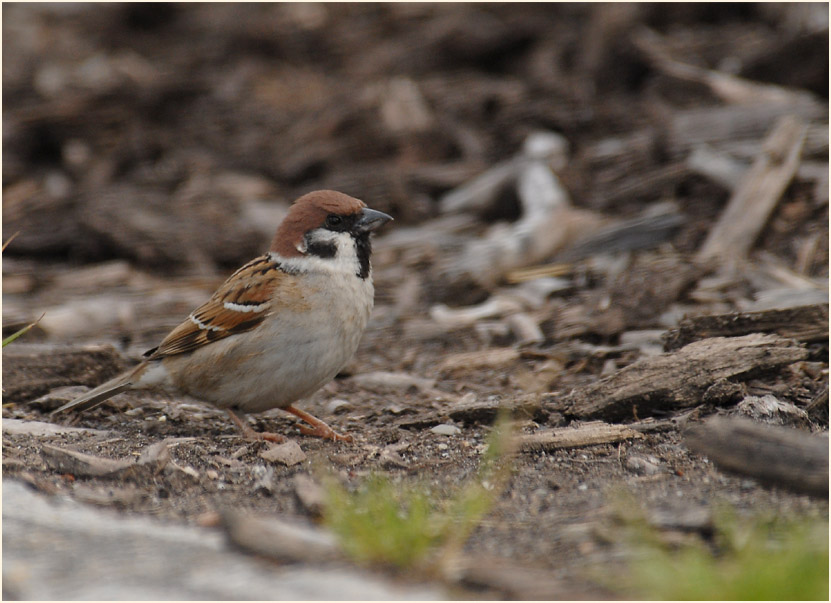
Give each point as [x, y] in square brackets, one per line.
[250, 289]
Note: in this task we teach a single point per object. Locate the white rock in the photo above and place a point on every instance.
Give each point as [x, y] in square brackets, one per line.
[446, 429]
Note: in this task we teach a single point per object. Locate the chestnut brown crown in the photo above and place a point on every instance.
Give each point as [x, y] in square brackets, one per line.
[309, 212]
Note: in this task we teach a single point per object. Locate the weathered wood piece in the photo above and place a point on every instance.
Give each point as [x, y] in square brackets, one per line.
[388, 381]
[753, 201]
[720, 167]
[517, 581]
[803, 323]
[31, 370]
[278, 539]
[486, 409]
[153, 459]
[589, 434]
[479, 359]
[37, 429]
[309, 493]
[737, 129]
[80, 463]
[680, 379]
[778, 456]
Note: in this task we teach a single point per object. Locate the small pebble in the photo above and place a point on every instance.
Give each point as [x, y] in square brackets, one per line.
[642, 465]
[446, 429]
[288, 453]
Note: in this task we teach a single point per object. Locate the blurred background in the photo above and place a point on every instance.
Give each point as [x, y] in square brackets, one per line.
[167, 135]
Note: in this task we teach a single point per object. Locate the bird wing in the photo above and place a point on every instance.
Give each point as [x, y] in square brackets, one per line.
[240, 304]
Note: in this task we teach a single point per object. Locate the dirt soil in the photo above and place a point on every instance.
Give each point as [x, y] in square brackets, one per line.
[149, 150]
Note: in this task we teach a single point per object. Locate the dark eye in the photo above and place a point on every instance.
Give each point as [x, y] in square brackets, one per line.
[333, 220]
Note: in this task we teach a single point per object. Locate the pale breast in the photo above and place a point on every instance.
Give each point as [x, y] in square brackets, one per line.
[295, 351]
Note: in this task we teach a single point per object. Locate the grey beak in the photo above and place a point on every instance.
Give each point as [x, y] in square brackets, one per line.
[370, 220]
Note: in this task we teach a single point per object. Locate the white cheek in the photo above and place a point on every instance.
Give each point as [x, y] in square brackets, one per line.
[345, 261]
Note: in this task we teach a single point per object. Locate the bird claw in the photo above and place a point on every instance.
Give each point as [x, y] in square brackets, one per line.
[250, 434]
[325, 432]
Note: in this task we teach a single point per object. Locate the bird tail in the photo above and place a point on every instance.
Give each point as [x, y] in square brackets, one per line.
[103, 392]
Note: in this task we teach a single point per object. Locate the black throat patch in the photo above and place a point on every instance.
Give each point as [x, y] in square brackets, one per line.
[363, 249]
[328, 249]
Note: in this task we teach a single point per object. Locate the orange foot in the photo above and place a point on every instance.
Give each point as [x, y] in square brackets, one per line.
[318, 428]
[250, 434]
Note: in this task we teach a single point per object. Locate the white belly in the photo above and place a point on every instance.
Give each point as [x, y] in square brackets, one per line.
[288, 357]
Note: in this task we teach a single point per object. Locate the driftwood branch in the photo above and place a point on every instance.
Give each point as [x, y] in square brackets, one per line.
[683, 378]
[778, 456]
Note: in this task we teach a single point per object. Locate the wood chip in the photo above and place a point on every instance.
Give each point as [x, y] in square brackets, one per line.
[692, 518]
[385, 382]
[471, 409]
[721, 168]
[122, 496]
[519, 582]
[280, 540]
[526, 329]
[770, 409]
[588, 434]
[779, 456]
[288, 453]
[389, 457]
[310, 494]
[753, 201]
[803, 323]
[492, 358]
[80, 464]
[454, 318]
[43, 429]
[680, 379]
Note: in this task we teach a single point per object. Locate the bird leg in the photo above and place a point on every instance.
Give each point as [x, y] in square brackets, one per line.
[318, 428]
[249, 433]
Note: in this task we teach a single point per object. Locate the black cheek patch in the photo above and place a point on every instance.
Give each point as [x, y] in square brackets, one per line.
[322, 249]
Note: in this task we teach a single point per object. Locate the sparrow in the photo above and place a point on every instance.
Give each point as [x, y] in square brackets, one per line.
[279, 328]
